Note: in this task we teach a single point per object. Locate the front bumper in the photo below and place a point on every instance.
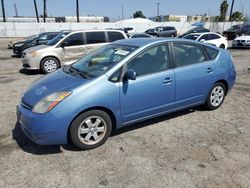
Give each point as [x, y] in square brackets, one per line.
[30, 63]
[43, 129]
[241, 43]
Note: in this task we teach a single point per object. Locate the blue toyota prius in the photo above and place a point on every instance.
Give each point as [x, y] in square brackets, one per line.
[123, 83]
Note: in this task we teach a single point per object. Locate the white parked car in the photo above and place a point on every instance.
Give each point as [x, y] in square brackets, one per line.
[242, 41]
[210, 38]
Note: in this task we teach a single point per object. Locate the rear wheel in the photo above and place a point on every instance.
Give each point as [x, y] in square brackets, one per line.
[49, 64]
[216, 96]
[91, 129]
[222, 46]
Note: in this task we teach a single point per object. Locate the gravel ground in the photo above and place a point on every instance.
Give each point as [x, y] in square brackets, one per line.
[191, 148]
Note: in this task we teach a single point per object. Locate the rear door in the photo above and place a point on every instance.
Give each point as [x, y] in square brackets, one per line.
[72, 48]
[94, 40]
[194, 73]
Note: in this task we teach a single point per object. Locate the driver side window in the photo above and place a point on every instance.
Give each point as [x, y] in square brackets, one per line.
[155, 59]
[74, 40]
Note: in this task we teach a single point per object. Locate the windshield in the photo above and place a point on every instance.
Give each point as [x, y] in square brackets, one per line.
[57, 38]
[100, 61]
[191, 37]
[234, 27]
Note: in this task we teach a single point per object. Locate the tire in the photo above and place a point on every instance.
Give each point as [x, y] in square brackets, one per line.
[222, 46]
[49, 64]
[216, 96]
[96, 127]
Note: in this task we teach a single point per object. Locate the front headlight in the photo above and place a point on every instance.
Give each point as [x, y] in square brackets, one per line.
[18, 45]
[49, 102]
[31, 54]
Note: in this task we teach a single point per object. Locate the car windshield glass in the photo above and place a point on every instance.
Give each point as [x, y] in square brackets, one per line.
[234, 27]
[191, 37]
[100, 61]
[57, 38]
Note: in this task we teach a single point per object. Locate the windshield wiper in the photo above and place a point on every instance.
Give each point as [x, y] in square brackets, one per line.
[80, 73]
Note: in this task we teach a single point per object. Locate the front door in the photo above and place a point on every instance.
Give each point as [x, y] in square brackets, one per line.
[152, 92]
[72, 49]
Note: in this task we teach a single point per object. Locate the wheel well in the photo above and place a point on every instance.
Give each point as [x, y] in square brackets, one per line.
[53, 57]
[224, 82]
[108, 111]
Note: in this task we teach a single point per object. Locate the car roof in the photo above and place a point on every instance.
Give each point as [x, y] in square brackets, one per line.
[203, 33]
[140, 42]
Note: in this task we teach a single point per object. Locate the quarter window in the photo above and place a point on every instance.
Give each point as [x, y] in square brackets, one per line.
[113, 36]
[74, 40]
[213, 36]
[205, 37]
[212, 52]
[188, 54]
[153, 60]
[95, 37]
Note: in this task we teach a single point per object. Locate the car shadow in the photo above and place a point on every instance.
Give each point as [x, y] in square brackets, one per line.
[30, 72]
[28, 146]
[15, 56]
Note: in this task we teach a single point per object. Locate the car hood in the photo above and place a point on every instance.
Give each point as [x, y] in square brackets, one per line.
[244, 37]
[36, 48]
[46, 85]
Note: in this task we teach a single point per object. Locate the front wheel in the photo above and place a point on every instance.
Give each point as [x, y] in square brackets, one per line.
[216, 96]
[91, 129]
[49, 64]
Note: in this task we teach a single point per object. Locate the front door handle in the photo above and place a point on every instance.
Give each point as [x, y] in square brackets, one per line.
[168, 80]
[209, 70]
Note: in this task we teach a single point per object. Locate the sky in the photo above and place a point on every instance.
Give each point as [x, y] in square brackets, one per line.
[113, 8]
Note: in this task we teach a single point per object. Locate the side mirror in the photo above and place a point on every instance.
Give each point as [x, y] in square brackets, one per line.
[37, 41]
[63, 44]
[203, 40]
[130, 75]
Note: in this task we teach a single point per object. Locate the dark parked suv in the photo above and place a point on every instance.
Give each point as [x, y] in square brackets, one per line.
[42, 38]
[236, 30]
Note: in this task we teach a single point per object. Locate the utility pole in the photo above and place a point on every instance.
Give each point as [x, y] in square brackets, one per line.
[231, 11]
[44, 11]
[3, 10]
[37, 17]
[122, 13]
[15, 9]
[77, 11]
[158, 12]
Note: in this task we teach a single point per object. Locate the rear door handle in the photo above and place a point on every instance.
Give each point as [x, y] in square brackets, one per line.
[168, 80]
[209, 70]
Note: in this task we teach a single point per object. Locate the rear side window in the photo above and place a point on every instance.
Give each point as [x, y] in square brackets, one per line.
[74, 40]
[188, 54]
[95, 37]
[212, 53]
[213, 36]
[113, 36]
[205, 37]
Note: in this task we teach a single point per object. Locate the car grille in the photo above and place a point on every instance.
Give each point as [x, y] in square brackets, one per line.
[240, 41]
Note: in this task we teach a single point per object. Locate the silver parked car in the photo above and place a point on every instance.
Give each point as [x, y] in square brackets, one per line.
[66, 48]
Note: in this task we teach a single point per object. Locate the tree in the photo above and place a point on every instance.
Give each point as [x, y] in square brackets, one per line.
[138, 14]
[223, 10]
[237, 16]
